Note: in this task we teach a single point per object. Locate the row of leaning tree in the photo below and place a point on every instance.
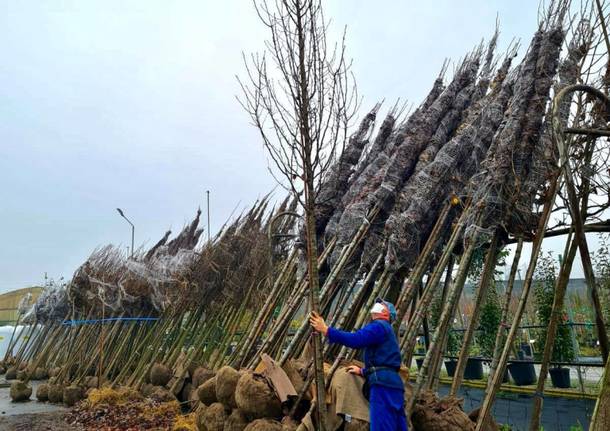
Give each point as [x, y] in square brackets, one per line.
[502, 153]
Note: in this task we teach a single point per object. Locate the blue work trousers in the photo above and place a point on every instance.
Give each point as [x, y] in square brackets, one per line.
[387, 409]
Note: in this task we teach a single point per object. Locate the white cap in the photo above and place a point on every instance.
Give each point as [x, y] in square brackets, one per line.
[378, 308]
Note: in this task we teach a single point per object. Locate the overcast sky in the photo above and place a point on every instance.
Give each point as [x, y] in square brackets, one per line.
[131, 104]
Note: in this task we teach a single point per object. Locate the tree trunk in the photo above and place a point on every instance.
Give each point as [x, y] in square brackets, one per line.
[498, 373]
[314, 301]
[442, 327]
[560, 290]
[486, 279]
[508, 296]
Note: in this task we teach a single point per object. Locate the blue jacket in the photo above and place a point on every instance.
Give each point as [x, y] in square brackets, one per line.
[380, 350]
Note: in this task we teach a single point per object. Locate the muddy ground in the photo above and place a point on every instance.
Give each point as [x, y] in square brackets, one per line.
[37, 422]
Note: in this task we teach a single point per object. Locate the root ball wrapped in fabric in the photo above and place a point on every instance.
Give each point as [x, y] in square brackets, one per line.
[236, 421]
[40, 374]
[289, 424]
[56, 393]
[201, 375]
[147, 389]
[42, 392]
[20, 391]
[214, 417]
[160, 375]
[356, 425]
[226, 381]
[72, 394]
[162, 395]
[207, 392]
[199, 417]
[264, 425]
[11, 373]
[431, 414]
[255, 397]
[91, 382]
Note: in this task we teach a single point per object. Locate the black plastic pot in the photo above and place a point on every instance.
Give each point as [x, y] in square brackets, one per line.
[523, 373]
[474, 369]
[527, 350]
[560, 377]
[419, 362]
[450, 366]
[505, 376]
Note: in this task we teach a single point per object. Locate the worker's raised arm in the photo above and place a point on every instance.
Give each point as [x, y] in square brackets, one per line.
[370, 335]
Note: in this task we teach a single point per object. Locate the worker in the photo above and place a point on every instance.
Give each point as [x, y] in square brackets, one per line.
[383, 386]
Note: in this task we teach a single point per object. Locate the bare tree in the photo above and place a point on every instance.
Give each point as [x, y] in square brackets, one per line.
[301, 96]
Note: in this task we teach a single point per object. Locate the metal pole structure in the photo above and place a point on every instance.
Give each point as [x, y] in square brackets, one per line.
[133, 229]
[208, 202]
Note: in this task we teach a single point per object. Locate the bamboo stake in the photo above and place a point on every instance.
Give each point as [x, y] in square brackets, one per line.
[414, 280]
[434, 353]
[486, 278]
[410, 337]
[556, 313]
[536, 245]
[508, 296]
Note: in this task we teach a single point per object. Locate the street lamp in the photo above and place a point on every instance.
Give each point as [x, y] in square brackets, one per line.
[133, 228]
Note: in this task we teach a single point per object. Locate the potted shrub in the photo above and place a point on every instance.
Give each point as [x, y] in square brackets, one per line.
[489, 324]
[453, 349]
[563, 349]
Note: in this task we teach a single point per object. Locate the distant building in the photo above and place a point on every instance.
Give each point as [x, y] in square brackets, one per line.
[10, 301]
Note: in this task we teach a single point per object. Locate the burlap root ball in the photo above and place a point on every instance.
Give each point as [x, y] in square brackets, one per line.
[264, 425]
[201, 408]
[226, 381]
[11, 373]
[160, 375]
[90, 382]
[42, 392]
[40, 374]
[207, 392]
[255, 397]
[201, 375]
[20, 391]
[236, 421]
[214, 417]
[162, 395]
[56, 393]
[72, 394]
[356, 425]
[147, 389]
[53, 372]
[289, 424]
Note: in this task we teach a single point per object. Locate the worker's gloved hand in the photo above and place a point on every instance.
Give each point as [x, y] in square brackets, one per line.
[317, 323]
[354, 369]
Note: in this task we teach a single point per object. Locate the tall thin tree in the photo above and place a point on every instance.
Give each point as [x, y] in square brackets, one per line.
[301, 96]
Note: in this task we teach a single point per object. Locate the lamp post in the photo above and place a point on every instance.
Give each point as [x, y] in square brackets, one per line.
[133, 228]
